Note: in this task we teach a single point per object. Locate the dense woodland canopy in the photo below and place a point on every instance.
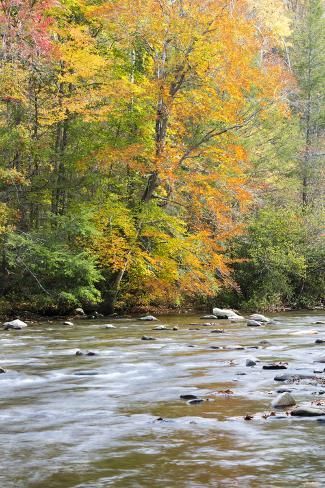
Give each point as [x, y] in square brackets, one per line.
[161, 153]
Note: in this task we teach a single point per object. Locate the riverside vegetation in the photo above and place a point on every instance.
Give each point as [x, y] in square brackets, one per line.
[161, 154]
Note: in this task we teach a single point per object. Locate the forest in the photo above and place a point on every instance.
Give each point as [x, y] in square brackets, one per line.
[161, 154]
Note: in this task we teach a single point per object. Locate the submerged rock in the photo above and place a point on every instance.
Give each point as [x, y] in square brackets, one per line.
[320, 341]
[209, 317]
[304, 332]
[15, 325]
[147, 338]
[319, 322]
[253, 323]
[217, 331]
[308, 412]
[148, 318]
[175, 327]
[2, 370]
[160, 327]
[320, 360]
[283, 400]
[109, 326]
[67, 322]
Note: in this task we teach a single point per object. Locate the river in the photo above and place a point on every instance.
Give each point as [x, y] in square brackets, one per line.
[72, 421]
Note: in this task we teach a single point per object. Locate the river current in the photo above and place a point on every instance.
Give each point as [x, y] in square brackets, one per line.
[116, 419]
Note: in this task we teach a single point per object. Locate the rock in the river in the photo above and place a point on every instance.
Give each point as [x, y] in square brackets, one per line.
[275, 366]
[175, 327]
[188, 397]
[236, 318]
[87, 353]
[225, 313]
[217, 331]
[14, 324]
[283, 400]
[250, 363]
[253, 323]
[79, 311]
[294, 377]
[259, 317]
[319, 322]
[265, 343]
[67, 322]
[147, 338]
[320, 341]
[109, 326]
[209, 317]
[148, 318]
[304, 332]
[321, 359]
[2, 371]
[160, 327]
[308, 412]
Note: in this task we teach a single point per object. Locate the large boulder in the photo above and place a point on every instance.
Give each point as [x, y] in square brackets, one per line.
[283, 400]
[226, 313]
[14, 324]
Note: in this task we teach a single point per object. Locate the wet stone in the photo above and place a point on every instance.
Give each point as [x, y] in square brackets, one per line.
[250, 363]
[188, 397]
[253, 323]
[307, 412]
[195, 401]
[273, 366]
[147, 338]
[2, 370]
[294, 377]
[283, 400]
[148, 318]
[320, 341]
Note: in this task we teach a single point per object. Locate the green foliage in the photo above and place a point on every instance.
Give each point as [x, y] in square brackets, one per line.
[48, 274]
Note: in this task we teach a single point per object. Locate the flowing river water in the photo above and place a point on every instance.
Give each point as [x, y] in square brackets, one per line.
[92, 422]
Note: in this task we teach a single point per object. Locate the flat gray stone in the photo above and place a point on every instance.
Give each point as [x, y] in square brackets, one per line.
[307, 412]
